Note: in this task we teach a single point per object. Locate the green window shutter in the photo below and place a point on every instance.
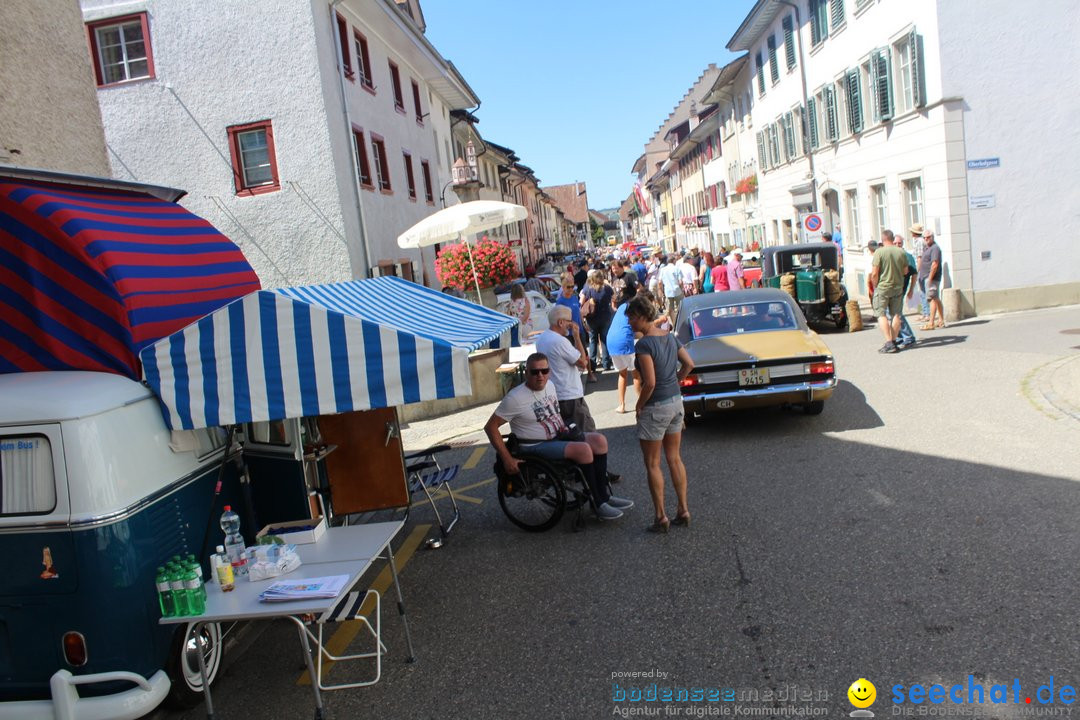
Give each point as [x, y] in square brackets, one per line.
[918, 80]
[854, 102]
[832, 125]
[789, 42]
[837, 7]
[823, 18]
[815, 28]
[789, 135]
[883, 92]
[774, 68]
[811, 122]
[760, 74]
[762, 160]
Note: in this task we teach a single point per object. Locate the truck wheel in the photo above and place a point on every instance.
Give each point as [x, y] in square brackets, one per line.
[183, 664]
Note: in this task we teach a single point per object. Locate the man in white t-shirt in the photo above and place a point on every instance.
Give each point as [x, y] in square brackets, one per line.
[567, 359]
[532, 409]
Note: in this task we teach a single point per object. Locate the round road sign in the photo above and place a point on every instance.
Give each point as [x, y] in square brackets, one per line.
[812, 222]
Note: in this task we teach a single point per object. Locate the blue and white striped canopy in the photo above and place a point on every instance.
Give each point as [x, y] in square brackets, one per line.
[319, 350]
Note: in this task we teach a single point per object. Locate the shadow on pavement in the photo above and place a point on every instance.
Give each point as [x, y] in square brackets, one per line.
[925, 340]
[811, 561]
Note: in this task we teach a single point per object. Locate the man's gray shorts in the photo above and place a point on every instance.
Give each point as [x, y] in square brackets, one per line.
[933, 287]
[661, 418]
[577, 411]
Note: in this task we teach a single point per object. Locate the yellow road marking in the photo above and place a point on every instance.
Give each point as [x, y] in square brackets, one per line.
[346, 631]
[459, 493]
[475, 458]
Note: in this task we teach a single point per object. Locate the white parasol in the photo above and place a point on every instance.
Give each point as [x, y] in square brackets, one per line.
[458, 221]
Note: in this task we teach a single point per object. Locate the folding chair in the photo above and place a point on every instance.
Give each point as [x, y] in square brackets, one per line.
[350, 608]
[436, 478]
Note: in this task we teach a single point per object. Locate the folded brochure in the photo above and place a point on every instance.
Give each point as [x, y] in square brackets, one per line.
[308, 588]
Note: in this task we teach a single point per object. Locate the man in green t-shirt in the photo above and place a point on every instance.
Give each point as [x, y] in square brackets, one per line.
[890, 266]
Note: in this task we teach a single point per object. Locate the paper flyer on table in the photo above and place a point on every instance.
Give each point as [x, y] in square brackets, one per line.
[318, 587]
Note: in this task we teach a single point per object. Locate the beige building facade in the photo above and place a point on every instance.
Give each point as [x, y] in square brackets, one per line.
[49, 115]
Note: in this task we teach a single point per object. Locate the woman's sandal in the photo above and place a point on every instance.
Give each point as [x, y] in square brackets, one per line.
[659, 526]
[682, 520]
[927, 326]
[940, 324]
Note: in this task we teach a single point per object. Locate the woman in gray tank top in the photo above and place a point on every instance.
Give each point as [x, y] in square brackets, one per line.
[662, 363]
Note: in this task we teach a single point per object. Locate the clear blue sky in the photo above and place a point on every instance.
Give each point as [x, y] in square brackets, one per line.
[576, 87]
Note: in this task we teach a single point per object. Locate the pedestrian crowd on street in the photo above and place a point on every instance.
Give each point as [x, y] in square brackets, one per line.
[893, 277]
[608, 317]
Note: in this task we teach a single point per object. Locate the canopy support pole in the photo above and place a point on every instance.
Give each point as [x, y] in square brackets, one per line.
[468, 249]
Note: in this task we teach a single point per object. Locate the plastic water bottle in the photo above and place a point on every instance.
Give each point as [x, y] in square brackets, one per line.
[234, 541]
[193, 587]
[164, 591]
[197, 567]
[179, 592]
[225, 576]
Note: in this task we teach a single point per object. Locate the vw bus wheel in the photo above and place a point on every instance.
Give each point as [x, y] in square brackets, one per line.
[183, 664]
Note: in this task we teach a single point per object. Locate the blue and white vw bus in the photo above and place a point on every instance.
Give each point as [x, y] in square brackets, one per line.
[95, 494]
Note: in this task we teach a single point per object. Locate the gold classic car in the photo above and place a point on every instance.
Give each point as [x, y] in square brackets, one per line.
[752, 348]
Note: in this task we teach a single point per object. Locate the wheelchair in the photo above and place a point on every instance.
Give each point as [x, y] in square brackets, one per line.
[536, 498]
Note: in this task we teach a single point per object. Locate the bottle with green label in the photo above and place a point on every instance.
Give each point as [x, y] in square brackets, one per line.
[193, 587]
[164, 591]
[179, 592]
[198, 571]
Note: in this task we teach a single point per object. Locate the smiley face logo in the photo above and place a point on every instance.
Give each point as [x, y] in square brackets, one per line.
[862, 693]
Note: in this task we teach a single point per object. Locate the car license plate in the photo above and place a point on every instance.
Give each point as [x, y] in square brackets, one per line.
[754, 376]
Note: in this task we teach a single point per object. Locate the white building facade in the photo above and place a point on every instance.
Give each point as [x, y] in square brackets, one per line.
[877, 115]
[310, 132]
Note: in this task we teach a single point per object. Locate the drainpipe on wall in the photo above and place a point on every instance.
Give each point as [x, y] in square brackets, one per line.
[352, 137]
[805, 102]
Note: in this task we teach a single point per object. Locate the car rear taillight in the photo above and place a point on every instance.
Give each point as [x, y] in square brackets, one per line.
[74, 649]
[690, 381]
[821, 368]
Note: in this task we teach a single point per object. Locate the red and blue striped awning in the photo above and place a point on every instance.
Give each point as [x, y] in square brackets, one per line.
[89, 275]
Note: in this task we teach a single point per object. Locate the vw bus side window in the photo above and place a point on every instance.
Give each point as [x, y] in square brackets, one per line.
[268, 433]
[209, 441]
[27, 483]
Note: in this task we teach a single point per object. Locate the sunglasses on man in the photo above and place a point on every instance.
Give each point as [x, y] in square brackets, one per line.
[539, 371]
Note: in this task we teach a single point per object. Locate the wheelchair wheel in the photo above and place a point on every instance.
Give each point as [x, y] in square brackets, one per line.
[536, 500]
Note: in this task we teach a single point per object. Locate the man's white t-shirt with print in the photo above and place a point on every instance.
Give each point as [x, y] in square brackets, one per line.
[562, 356]
[533, 414]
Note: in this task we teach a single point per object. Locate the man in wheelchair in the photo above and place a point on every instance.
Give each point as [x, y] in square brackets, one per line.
[532, 409]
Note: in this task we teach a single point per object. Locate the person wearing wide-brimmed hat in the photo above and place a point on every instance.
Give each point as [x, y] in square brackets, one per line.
[918, 245]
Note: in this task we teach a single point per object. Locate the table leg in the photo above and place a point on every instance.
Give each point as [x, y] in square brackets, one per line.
[197, 630]
[400, 603]
[310, 666]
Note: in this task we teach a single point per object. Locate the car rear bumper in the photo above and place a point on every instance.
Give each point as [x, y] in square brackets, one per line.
[780, 394]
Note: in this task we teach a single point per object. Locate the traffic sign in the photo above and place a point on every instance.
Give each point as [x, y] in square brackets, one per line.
[812, 224]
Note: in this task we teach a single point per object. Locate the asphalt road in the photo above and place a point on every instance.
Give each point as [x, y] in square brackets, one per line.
[924, 528]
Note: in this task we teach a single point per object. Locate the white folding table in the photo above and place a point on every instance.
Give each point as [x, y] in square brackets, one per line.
[347, 550]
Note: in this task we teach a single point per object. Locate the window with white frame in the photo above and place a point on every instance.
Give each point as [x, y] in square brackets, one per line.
[913, 201]
[819, 21]
[27, 484]
[908, 65]
[854, 226]
[880, 203]
[121, 49]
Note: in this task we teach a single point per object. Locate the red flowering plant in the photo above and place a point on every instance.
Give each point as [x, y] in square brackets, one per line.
[495, 264]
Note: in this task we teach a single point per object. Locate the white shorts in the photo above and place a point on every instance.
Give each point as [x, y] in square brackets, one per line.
[623, 362]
